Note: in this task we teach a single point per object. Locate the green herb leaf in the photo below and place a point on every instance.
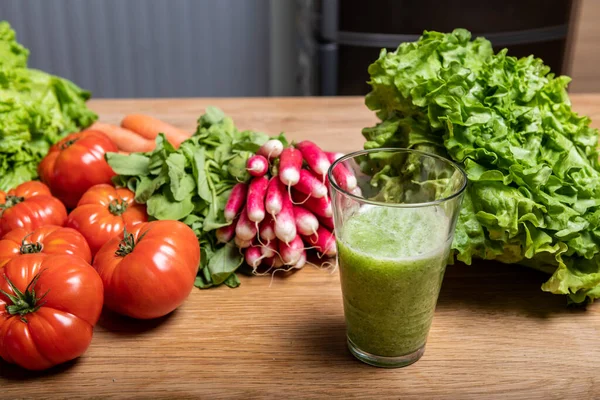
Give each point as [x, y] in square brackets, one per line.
[132, 164]
[160, 206]
[224, 263]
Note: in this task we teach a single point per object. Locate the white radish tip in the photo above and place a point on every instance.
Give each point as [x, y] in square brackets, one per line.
[301, 261]
[351, 182]
[241, 243]
[256, 215]
[319, 191]
[289, 177]
[322, 166]
[286, 233]
[229, 216]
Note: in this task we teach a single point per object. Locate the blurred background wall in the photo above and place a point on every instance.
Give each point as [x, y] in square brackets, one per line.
[183, 48]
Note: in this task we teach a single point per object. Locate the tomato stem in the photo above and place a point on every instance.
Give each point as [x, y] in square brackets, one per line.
[30, 248]
[128, 243]
[25, 302]
[68, 143]
[11, 201]
[117, 207]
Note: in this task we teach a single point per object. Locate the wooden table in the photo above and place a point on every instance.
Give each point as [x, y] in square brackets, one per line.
[495, 333]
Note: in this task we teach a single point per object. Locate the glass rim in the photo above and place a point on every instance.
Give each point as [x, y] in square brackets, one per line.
[358, 153]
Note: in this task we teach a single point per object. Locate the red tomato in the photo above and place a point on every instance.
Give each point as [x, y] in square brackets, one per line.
[151, 271]
[103, 212]
[29, 206]
[48, 308]
[75, 164]
[49, 239]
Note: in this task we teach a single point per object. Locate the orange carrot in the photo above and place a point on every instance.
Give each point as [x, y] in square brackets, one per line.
[125, 139]
[149, 127]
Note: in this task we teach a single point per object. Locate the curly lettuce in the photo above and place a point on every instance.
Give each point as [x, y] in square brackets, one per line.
[534, 179]
[36, 110]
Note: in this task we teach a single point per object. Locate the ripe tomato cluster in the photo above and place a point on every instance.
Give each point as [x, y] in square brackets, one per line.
[58, 269]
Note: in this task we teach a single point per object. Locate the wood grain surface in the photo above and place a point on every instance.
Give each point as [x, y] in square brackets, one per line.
[495, 333]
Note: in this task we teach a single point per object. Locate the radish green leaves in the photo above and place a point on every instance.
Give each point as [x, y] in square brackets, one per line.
[192, 184]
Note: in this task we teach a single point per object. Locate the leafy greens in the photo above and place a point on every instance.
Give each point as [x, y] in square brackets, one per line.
[192, 184]
[36, 110]
[534, 179]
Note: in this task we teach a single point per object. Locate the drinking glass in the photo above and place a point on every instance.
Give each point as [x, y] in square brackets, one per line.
[394, 211]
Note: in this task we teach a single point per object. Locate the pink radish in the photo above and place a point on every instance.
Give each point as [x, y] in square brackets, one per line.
[343, 177]
[245, 229]
[274, 262]
[310, 185]
[290, 253]
[306, 222]
[315, 157]
[301, 261]
[253, 257]
[226, 233]
[236, 201]
[266, 230]
[327, 222]
[241, 243]
[273, 197]
[271, 149]
[323, 241]
[269, 249]
[285, 225]
[290, 163]
[255, 201]
[320, 207]
[333, 156]
[257, 165]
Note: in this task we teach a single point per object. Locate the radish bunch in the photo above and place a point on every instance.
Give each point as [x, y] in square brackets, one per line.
[285, 208]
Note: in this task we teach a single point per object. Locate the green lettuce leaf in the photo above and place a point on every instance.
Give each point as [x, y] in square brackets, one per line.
[36, 110]
[534, 180]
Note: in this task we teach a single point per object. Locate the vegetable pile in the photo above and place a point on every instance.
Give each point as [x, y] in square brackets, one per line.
[534, 179]
[58, 271]
[285, 208]
[220, 181]
[36, 110]
[192, 184]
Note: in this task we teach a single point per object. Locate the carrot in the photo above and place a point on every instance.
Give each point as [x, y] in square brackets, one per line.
[149, 127]
[125, 139]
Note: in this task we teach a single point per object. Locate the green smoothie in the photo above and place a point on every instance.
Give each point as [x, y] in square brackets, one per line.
[392, 262]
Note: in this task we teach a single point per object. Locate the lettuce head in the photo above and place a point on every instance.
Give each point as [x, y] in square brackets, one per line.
[534, 179]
